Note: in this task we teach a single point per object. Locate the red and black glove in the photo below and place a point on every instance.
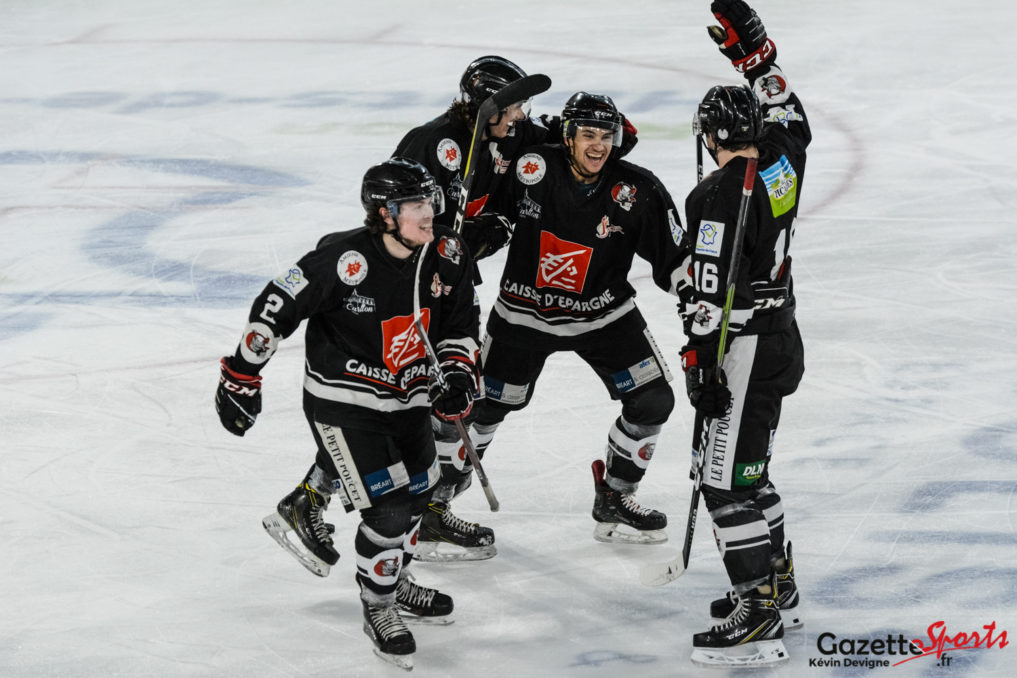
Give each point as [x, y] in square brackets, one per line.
[238, 398]
[705, 382]
[741, 36]
[452, 397]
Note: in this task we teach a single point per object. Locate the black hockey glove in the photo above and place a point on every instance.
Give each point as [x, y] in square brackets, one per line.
[741, 36]
[238, 398]
[485, 234]
[553, 125]
[453, 399]
[705, 382]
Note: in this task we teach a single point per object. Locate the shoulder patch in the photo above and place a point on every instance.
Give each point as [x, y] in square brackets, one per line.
[710, 238]
[624, 194]
[531, 168]
[450, 249]
[292, 281]
[352, 267]
[781, 185]
[449, 154]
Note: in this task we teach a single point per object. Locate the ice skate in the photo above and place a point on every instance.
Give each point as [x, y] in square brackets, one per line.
[750, 636]
[620, 519]
[787, 598]
[298, 527]
[421, 605]
[393, 642]
[446, 537]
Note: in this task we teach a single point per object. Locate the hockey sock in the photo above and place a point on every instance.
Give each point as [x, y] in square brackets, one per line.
[629, 450]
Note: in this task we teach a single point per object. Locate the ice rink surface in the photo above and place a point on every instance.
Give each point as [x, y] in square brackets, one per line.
[161, 161]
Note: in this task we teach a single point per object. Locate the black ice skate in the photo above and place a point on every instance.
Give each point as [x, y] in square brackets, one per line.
[787, 598]
[421, 605]
[444, 537]
[751, 636]
[393, 642]
[299, 514]
[613, 509]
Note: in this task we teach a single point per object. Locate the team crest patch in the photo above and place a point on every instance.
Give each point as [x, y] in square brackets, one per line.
[450, 249]
[710, 238]
[352, 267]
[531, 168]
[449, 154]
[438, 288]
[563, 264]
[292, 281]
[258, 343]
[624, 194]
[605, 228]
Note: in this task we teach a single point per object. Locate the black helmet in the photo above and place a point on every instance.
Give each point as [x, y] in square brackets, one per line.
[485, 76]
[398, 180]
[591, 110]
[731, 114]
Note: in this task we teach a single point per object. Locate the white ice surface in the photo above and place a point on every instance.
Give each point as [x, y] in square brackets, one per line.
[159, 161]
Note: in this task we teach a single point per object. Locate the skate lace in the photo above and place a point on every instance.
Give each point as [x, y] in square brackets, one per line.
[413, 594]
[387, 622]
[321, 530]
[458, 524]
[738, 616]
[630, 505]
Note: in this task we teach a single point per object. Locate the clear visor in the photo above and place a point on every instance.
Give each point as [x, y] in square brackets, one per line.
[518, 110]
[598, 129]
[697, 127]
[419, 206]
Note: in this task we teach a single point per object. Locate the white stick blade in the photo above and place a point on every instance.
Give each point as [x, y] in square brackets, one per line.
[658, 574]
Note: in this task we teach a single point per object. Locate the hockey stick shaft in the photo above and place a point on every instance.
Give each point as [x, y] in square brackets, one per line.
[660, 574]
[432, 356]
[520, 90]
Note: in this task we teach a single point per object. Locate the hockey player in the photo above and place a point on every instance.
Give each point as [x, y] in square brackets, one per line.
[582, 214]
[366, 388]
[764, 358]
[441, 145]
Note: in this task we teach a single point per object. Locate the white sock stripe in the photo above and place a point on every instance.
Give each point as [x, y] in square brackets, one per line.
[742, 533]
[378, 540]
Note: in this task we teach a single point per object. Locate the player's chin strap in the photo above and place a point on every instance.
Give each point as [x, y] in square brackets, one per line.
[569, 145]
[399, 238]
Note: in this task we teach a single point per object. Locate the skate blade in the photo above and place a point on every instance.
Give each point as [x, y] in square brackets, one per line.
[759, 653]
[442, 552]
[619, 533]
[280, 530]
[403, 661]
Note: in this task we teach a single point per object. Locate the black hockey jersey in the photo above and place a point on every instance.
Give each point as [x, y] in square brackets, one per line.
[764, 299]
[566, 272]
[363, 353]
[442, 145]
